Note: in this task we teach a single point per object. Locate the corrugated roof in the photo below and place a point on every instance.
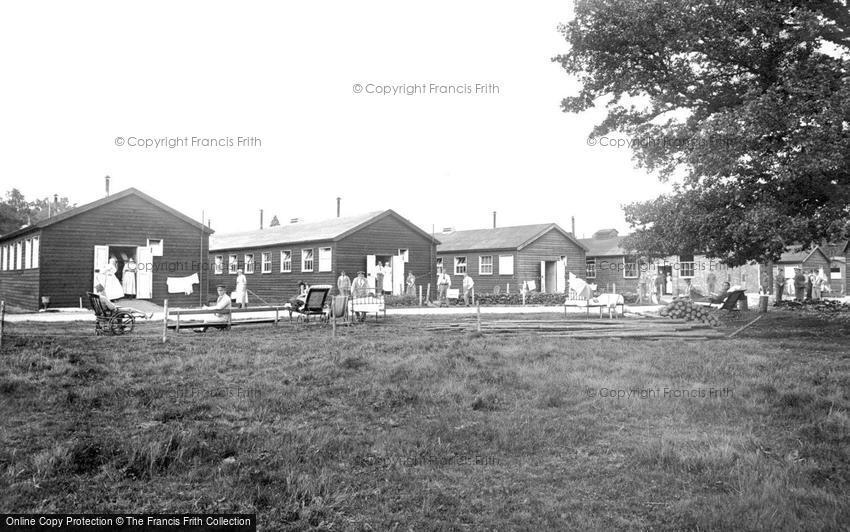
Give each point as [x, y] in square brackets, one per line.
[604, 247]
[103, 201]
[515, 237]
[317, 231]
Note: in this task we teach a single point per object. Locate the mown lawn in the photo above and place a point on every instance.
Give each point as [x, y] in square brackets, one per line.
[387, 427]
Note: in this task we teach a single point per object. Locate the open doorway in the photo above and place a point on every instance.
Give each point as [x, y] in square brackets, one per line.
[124, 271]
[553, 276]
[389, 269]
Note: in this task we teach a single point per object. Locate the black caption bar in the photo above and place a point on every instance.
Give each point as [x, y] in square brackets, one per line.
[130, 522]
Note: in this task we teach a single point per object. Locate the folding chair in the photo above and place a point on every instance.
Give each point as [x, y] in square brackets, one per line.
[338, 310]
[314, 305]
[730, 304]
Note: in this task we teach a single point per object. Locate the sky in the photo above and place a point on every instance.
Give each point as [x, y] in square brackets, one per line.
[89, 88]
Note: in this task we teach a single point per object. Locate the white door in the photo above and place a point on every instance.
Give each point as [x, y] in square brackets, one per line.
[370, 271]
[144, 273]
[560, 276]
[398, 275]
[542, 276]
[101, 261]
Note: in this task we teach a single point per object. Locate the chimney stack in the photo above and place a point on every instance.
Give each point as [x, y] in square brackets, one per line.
[209, 223]
[51, 208]
[573, 219]
[494, 219]
[107, 185]
[261, 218]
[338, 199]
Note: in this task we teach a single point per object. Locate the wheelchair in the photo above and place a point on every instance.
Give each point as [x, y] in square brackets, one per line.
[116, 322]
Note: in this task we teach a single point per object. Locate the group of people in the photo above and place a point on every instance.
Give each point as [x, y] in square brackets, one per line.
[360, 286]
[118, 280]
[804, 286]
[444, 282]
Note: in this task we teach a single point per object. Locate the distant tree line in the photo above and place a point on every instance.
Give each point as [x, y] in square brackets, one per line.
[16, 211]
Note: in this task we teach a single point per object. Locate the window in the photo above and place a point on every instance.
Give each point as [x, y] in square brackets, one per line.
[835, 272]
[249, 263]
[460, 265]
[325, 259]
[156, 246]
[267, 262]
[232, 264]
[630, 270]
[2, 257]
[28, 254]
[19, 255]
[686, 269]
[485, 265]
[439, 266]
[285, 261]
[506, 264]
[35, 251]
[306, 260]
[590, 268]
[218, 265]
[404, 254]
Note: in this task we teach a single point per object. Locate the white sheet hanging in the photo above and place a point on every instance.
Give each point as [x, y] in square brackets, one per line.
[182, 284]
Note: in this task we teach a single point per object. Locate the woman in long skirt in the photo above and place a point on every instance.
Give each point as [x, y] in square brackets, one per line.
[112, 289]
[241, 292]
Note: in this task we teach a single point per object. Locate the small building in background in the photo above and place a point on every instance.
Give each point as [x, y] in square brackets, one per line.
[274, 260]
[505, 257]
[61, 258]
[613, 267]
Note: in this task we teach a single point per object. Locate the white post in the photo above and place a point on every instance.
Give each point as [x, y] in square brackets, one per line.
[164, 319]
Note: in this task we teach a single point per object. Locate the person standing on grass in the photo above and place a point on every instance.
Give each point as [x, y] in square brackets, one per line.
[360, 289]
[809, 285]
[411, 284]
[343, 284]
[779, 280]
[241, 292]
[468, 283]
[799, 284]
[444, 282]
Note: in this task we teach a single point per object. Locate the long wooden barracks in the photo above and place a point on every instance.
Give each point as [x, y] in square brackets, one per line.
[541, 255]
[59, 258]
[275, 259]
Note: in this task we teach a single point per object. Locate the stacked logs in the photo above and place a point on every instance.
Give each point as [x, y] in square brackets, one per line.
[686, 310]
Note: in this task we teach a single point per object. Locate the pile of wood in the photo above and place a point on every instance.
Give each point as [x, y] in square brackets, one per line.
[648, 329]
[686, 310]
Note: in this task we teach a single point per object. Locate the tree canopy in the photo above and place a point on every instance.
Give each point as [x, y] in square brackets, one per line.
[743, 105]
[16, 211]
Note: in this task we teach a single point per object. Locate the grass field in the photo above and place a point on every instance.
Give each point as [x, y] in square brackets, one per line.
[388, 428]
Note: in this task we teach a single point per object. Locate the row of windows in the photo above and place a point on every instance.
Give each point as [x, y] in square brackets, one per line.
[22, 255]
[630, 269]
[485, 265]
[307, 262]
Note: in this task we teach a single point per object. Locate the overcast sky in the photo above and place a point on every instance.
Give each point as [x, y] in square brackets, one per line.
[78, 75]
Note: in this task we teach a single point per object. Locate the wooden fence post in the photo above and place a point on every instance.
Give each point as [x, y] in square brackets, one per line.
[479, 316]
[420, 295]
[428, 296]
[2, 319]
[164, 320]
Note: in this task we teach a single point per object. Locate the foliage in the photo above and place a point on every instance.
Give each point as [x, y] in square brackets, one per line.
[744, 104]
[16, 211]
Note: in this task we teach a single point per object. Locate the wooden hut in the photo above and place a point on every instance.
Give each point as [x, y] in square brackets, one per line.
[507, 257]
[275, 259]
[61, 258]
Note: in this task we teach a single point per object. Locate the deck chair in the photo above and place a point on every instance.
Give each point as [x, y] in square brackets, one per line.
[314, 305]
[339, 309]
[116, 322]
[731, 301]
